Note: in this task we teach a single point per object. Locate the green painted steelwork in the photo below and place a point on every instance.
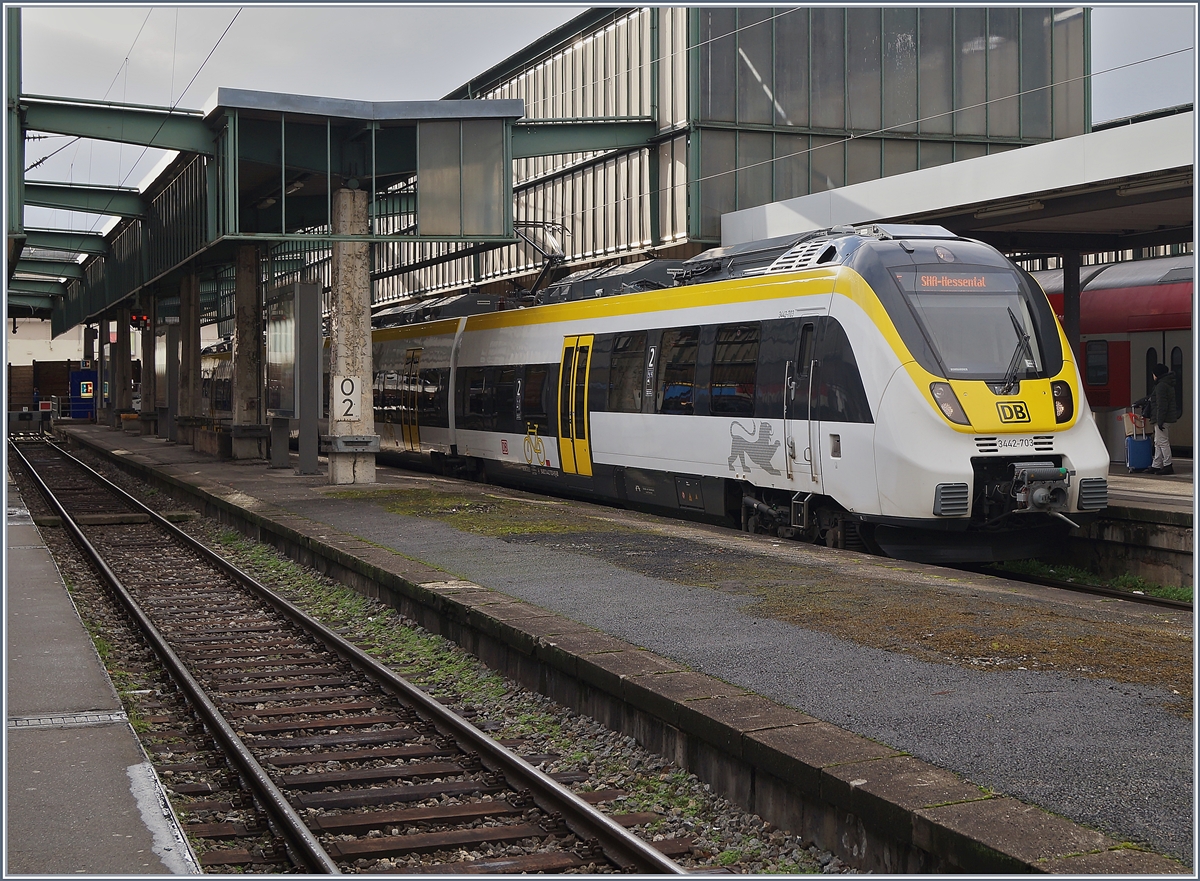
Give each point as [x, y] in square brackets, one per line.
[178, 130]
[115, 201]
[37, 286]
[262, 169]
[15, 146]
[57, 240]
[53, 268]
[33, 302]
[393, 203]
[573, 136]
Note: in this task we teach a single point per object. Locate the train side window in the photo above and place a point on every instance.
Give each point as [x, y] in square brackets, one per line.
[377, 394]
[432, 398]
[534, 397]
[1096, 355]
[735, 362]
[776, 362]
[502, 403]
[838, 393]
[626, 369]
[474, 394]
[1177, 369]
[677, 371]
[1151, 363]
[805, 357]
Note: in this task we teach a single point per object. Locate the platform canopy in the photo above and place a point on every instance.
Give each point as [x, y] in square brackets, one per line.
[1128, 186]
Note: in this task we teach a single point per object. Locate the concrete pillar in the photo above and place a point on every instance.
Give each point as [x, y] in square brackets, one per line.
[168, 415]
[1070, 261]
[149, 412]
[350, 335]
[101, 371]
[247, 358]
[115, 370]
[123, 364]
[189, 359]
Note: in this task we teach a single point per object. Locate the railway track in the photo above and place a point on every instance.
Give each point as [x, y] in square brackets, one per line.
[1079, 587]
[325, 760]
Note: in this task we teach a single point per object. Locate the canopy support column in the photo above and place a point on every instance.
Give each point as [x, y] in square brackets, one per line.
[1070, 261]
[350, 347]
[248, 429]
[189, 359]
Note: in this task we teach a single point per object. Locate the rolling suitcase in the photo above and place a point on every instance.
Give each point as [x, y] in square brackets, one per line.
[1139, 446]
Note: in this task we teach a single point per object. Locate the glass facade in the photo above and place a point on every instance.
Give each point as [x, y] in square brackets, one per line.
[876, 92]
[755, 105]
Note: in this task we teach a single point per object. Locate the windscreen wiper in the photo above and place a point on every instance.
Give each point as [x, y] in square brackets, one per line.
[1023, 347]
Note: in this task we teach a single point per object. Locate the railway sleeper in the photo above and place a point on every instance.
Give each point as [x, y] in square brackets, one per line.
[515, 865]
[461, 813]
[489, 784]
[223, 830]
[431, 842]
[422, 751]
[374, 775]
[240, 856]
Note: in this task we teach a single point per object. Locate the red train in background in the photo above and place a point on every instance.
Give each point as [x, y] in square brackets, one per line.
[1132, 316]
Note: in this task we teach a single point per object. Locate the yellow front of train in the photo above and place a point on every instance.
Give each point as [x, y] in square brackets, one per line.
[982, 428]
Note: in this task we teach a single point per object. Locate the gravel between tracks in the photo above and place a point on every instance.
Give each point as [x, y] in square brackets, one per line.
[725, 836]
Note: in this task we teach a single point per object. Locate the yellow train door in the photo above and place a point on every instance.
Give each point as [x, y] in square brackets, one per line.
[410, 392]
[573, 444]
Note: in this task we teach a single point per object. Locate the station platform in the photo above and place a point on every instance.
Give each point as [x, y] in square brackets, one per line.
[1153, 492]
[1146, 531]
[82, 797]
[1009, 765]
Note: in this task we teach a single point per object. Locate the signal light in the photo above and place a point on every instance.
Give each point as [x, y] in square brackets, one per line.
[139, 320]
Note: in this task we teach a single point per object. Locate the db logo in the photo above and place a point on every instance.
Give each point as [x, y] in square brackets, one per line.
[1016, 411]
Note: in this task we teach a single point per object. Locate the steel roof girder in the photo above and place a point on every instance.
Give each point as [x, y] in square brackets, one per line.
[52, 268]
[549, 139]
[90, 200]
[60, 240]
[37, 302]
[125, 125]
[37, 286]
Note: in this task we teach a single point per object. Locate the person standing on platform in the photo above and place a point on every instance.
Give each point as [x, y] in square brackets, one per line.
[1162, 413]
[37, 398]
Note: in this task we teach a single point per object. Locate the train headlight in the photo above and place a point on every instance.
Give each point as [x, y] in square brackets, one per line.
[948, 403]
[1064, 403]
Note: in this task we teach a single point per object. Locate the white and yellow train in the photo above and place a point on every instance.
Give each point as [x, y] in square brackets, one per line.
[891, 388]
[895, 389]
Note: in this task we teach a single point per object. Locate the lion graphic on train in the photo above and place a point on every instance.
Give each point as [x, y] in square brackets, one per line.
[752, 443]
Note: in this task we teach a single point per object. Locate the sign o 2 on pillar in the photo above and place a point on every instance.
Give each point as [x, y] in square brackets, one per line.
[346, 403]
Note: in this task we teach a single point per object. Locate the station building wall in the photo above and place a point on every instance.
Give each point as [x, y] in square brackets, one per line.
[755, 105]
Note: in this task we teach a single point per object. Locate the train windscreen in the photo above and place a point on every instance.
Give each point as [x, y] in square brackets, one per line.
[976, 319]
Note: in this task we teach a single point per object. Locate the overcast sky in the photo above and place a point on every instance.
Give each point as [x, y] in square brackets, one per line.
[168, 55]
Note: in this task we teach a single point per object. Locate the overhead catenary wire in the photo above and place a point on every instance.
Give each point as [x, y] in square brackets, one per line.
[175, 105]
[634, 197]
[581, 161]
